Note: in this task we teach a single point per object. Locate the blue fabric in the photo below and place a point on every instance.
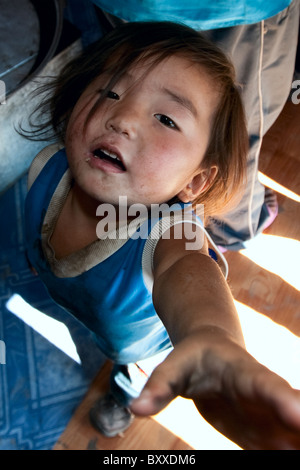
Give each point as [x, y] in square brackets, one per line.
[111, 298]
[82, 14]
[193, 13]
[40, 386]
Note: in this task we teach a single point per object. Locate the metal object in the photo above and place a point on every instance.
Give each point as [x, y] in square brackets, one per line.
[29, 35]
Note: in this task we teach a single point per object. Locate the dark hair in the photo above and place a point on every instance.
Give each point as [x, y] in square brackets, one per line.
[116, 53]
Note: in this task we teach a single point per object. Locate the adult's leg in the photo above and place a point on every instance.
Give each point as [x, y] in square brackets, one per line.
[264, 57]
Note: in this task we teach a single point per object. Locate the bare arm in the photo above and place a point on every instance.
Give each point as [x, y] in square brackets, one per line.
[209, 363]
[191, 282]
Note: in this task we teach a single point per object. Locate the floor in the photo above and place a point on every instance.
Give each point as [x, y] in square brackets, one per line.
[47, 360]
[265, 282]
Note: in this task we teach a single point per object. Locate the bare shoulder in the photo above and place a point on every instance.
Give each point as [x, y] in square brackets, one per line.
[175, 245]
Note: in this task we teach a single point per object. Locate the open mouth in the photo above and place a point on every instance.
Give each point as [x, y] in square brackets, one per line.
[111, 157]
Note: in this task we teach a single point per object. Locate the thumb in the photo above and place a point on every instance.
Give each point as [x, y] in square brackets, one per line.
[165, 383]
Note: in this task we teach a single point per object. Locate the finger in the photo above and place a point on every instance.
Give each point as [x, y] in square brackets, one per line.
[165, 383]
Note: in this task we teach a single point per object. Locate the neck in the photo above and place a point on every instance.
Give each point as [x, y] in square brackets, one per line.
[83, 204]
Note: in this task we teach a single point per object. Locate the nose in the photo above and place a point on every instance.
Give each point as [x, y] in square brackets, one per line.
[124, 119]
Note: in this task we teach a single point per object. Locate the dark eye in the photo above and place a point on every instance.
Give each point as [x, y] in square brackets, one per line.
[110, 94]
[166, 121]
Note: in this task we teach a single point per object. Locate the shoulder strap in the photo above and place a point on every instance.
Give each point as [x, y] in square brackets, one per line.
[40, 161]
[181, 217]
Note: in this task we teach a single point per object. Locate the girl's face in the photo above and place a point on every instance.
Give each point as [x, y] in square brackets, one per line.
[147, 139]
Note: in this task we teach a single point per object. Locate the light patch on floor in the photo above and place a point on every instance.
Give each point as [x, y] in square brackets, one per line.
[53, 330]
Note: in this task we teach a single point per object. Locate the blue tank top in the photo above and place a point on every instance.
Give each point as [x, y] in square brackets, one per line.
[111, 298]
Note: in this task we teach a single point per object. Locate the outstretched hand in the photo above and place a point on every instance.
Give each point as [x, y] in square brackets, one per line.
[242, 399]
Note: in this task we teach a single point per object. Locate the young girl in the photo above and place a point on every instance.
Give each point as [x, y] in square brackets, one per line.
[149, 117]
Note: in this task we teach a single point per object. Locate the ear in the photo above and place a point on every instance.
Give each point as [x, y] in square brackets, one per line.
[200, 182]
